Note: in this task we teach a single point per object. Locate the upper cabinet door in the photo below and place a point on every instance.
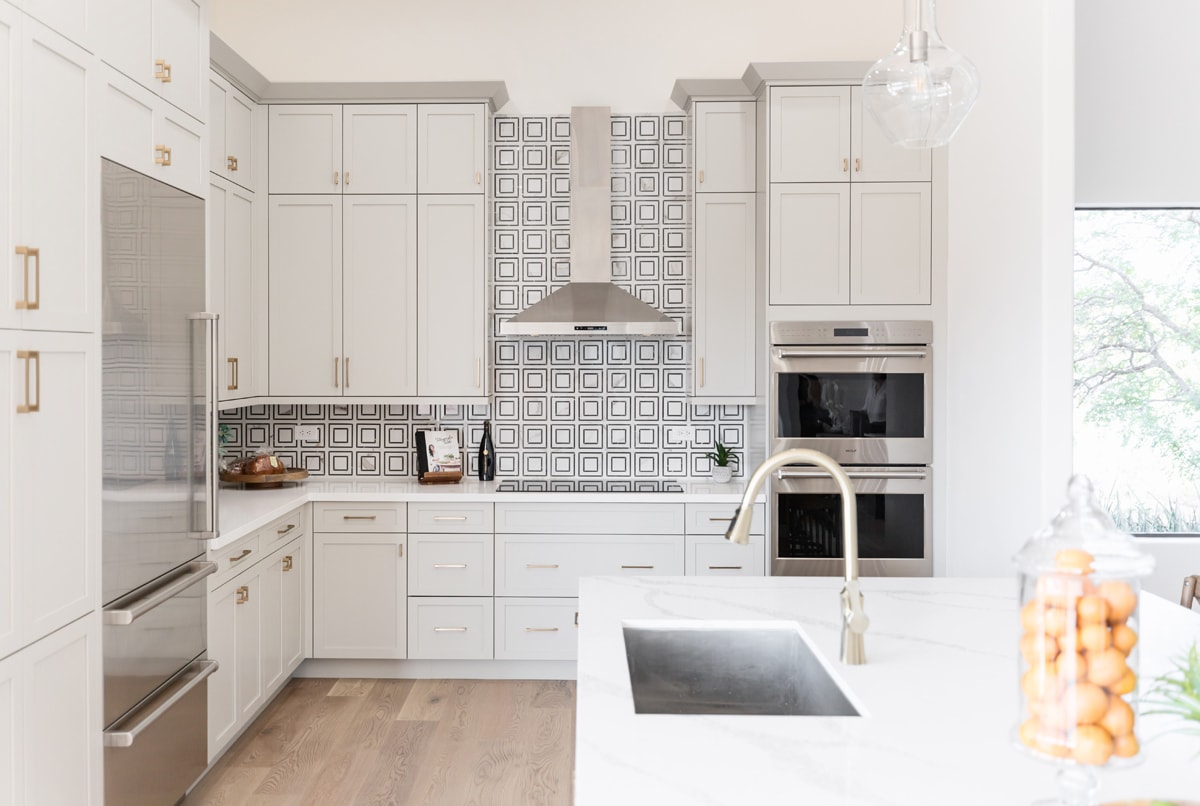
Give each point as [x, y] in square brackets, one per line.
[124, 29]
[725, 147]
[451, 148]
[218, 91]
[62, 291]
[810, 244]
[890, 254]
[178, 66]
[71, 18]
[379, 148]
[238, 160]
[810, 134]
[877, 160]
[305, 154]
[724, 313]
[11, 279]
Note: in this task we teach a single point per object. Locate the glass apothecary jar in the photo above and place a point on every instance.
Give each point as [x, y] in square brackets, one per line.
[1078, 666]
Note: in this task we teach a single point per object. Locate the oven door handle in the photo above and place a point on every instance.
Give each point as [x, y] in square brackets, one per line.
[919, 473]
[817, 353]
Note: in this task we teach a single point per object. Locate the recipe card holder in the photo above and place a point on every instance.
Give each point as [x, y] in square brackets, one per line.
[427, 476]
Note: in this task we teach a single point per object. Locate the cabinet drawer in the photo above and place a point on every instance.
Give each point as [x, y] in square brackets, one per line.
[535, 565]
[714, 519]
[537, 629]
[590, 518]
[449, 565]
[713, 555]
[450, 628]
[285, 529]
[234, 558]
[355, 517]
[474, 516]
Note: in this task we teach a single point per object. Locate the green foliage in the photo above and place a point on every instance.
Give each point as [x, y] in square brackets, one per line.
[1150, 515]
[1178, 692]
[723, 456]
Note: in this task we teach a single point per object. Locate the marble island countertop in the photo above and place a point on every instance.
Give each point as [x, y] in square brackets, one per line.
[939, 696]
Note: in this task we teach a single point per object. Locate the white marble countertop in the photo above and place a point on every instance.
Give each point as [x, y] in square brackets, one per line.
[241, 511]
[939, 694]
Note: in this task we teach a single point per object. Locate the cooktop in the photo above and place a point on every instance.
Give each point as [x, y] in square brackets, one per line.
[589, 486]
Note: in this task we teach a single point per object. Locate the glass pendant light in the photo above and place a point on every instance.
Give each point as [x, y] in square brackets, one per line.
[921, 92]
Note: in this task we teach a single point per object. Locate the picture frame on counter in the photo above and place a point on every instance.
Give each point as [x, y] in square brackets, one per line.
[439, 457]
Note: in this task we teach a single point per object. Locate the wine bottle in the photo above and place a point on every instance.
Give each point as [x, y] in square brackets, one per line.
[487, 454]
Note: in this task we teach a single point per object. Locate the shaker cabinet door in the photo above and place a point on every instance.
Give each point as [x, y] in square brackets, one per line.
[379, 148]
[305, 148]
[451, 148]
[725, 295]
[725, 136]
[810, 134]
[890, 255]
[810, 244]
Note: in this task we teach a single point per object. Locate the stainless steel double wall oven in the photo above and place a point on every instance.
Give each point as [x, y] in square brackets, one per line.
[859, 392]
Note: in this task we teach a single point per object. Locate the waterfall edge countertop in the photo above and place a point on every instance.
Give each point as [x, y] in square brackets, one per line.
[939, 692]
[242, 511]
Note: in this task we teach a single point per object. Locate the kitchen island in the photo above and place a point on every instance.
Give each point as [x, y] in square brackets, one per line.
[938, 697]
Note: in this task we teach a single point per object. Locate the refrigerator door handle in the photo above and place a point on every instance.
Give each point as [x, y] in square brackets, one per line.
[204, 517]
[125, 732]
[126, 610]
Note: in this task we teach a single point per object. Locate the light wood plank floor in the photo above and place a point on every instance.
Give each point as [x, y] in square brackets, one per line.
[419, 742]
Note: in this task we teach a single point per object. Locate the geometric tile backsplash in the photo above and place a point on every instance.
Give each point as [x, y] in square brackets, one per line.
[562, 407]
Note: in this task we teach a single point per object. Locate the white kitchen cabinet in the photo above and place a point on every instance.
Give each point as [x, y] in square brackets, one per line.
[233, 124]
[48, 391]
[160, 44]
[537, 629]
[450, 565]
[379, 146]
[890, 251]
[725, 326]
[451, 628]
[354, 149]
[724, 146]
[291, 568]
[235, 279]
[12, 774]
[143, 132]
[822, 134]
[452, 321]
[71, 18]
[343, 294]
[235, 623]
[551, 565]
[356, 516]
[713, 555]
[451, 148]
[810, 244]
[282, 614]
[50, 283]
[359, 595]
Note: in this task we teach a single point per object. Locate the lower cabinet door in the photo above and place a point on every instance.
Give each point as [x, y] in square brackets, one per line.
[235, 690]
[359, 590]
[536, 629]
[713, 555]
[450, 627]
[551, 565]
[271, 633]
[291, 567]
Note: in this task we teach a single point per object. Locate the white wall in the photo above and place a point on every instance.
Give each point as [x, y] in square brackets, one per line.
[1137, 113]
[1003, 448]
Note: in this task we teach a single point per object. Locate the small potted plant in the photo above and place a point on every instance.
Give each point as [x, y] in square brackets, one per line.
[722, 459]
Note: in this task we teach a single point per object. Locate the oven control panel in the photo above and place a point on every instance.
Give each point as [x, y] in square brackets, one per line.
[872, 332]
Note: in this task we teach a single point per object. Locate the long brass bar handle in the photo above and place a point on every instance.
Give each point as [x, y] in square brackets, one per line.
[162, 71]
[245, 553]
[31, 406]
[702, 370]
[721, 520]
[359, 517]
[541, 629]
[449, 517]
[162, 156]
[545, 565]
[346, 371]
[478, 372]
[243, 594]
[638, 567]
[287, 563]
[724, 568]
[449, 565]
[27, 304]
[335, 371]
[449, 629]
[233, 384]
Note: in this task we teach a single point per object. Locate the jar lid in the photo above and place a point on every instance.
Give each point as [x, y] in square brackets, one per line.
[1083, 525]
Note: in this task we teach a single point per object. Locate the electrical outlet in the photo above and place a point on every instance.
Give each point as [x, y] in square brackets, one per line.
[308, 433]
[681, 435]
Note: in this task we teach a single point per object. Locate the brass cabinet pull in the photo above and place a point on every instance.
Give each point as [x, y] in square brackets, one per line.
[233, 374]
[162, 156]
[243, 594]
[858, 165]
[724, 568]
[335, 177]
[576, 618]
[287, 563]
[34, 405]
[401, 550]
[541, 629]
[347, 178]
[845, 164]
[245, 553]
[162, 71]
[285, 529]
[478, 178]
[27, 304]
[346, 372]
[359, 517]
[721, 520]
[449, 629]
[231, 163]
[335, 371]
[638, 567]
[478, 372]
[701, 372]
[449, 517]
[536, 565]
[700, 176]
[449, 565]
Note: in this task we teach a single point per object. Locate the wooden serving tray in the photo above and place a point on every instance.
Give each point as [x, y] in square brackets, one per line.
[264, 481]
[451, 477]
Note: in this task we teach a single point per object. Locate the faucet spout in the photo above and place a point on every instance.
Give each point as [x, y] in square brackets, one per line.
[854, 617]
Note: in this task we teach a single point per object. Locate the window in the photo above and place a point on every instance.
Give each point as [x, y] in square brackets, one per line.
[1137, 365]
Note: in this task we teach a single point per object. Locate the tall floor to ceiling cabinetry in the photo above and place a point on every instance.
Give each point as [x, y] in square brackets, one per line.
[50, 684]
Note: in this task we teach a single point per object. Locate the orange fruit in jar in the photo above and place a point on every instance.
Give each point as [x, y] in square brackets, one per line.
[1125, 746]
[1093, 745]
[1033, 616]
[1071, 666]
[1039, 681]
[1094, 637]
[1092, 609]
[1028, 732]
[1061, 590]
[1120, 597]
[1037, 648]
[1053, 715]
[1118, 719]
[1091, 703]
[1126, 684]
[1056, 747]
[1124, 637]
[1076, 560]
[1057, 621]
[1107, 667]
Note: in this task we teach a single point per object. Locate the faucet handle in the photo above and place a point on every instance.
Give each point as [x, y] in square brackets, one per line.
[854, 652]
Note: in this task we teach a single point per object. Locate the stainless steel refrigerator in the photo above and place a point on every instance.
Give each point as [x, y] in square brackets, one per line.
[159, 493]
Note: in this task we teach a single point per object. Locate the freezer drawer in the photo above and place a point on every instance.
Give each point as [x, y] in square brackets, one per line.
[151, 634]
[158, 750]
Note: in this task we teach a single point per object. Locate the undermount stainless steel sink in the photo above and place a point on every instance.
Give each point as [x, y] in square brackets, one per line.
[726, 667]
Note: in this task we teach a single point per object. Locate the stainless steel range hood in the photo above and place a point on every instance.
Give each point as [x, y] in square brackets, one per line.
[590, 304]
